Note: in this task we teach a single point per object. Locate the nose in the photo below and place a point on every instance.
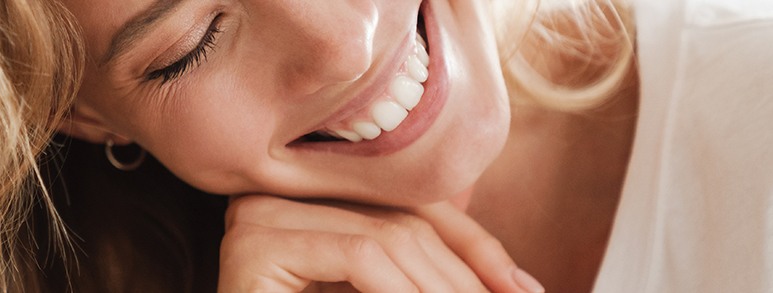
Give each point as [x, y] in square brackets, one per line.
[334, 42]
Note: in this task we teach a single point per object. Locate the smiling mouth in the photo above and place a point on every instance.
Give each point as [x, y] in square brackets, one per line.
[387, 112]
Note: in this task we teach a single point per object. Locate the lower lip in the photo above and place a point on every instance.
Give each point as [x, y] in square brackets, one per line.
[420, 118]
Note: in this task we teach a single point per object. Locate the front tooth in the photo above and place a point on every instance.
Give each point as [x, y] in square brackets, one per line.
[406, 91]
[349, 135]
[367, 130]
[421, 52]
[388, 115]
[417, 70]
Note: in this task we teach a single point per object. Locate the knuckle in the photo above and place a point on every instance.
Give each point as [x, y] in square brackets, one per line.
[395, 233]
[360, 249]
[232, 213]
[241, 237]
[235, 234]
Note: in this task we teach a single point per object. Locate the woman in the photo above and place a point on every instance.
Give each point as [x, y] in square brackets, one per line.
[40, 69]
[329, 101]
[51, 45]
[395, 104]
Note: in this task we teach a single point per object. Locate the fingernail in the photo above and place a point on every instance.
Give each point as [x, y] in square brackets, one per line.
[527, 282]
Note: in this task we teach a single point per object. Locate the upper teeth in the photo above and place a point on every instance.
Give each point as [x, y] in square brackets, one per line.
[388, 115]
[406, 91]
[387, 112]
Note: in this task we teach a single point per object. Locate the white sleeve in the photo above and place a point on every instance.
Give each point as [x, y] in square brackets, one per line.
[696, 214]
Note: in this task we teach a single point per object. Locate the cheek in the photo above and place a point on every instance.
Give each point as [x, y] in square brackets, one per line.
[210, 141]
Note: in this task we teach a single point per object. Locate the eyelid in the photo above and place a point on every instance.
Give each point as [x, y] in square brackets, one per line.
[183, 46]
[191, 59]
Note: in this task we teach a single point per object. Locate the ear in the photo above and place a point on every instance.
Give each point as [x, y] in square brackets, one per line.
[84, 123]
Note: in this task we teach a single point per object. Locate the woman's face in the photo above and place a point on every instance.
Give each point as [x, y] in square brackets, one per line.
[242, 96]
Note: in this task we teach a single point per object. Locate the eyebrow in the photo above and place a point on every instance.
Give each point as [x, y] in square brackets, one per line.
[137, 27]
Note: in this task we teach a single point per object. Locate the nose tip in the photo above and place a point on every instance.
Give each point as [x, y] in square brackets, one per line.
[346, 55]
[340, 41]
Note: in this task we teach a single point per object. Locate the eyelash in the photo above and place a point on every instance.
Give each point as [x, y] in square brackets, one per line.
[194, 58]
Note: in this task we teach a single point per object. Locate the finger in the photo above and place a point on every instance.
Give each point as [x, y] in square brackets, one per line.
[257, 259]
[399, 242]
[481, 251]
[450, 266]
[458, 273]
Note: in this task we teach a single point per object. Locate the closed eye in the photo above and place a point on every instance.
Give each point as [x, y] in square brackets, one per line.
[194, 58]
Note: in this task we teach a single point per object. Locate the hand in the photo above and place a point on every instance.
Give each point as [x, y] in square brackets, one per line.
[479, 249]
[278, 245]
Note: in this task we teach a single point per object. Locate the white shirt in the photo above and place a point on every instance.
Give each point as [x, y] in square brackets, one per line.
[696, 214]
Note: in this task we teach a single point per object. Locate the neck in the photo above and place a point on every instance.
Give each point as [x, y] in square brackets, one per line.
[550, 197]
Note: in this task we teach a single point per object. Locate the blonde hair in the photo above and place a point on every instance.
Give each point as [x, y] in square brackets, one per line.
[567, 55]
[41, 60]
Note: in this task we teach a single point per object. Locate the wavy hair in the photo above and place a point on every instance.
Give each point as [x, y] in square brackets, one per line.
[567, 55]
[41, 60]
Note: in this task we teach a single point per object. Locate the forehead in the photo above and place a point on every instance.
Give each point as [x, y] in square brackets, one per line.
[101, 19]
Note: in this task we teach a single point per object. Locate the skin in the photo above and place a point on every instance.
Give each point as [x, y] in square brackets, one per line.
[279, 68]
[554, 217]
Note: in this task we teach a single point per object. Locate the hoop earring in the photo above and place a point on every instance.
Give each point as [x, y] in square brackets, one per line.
[131, 166]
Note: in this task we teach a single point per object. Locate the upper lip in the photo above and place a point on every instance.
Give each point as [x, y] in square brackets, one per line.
[378, 85]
